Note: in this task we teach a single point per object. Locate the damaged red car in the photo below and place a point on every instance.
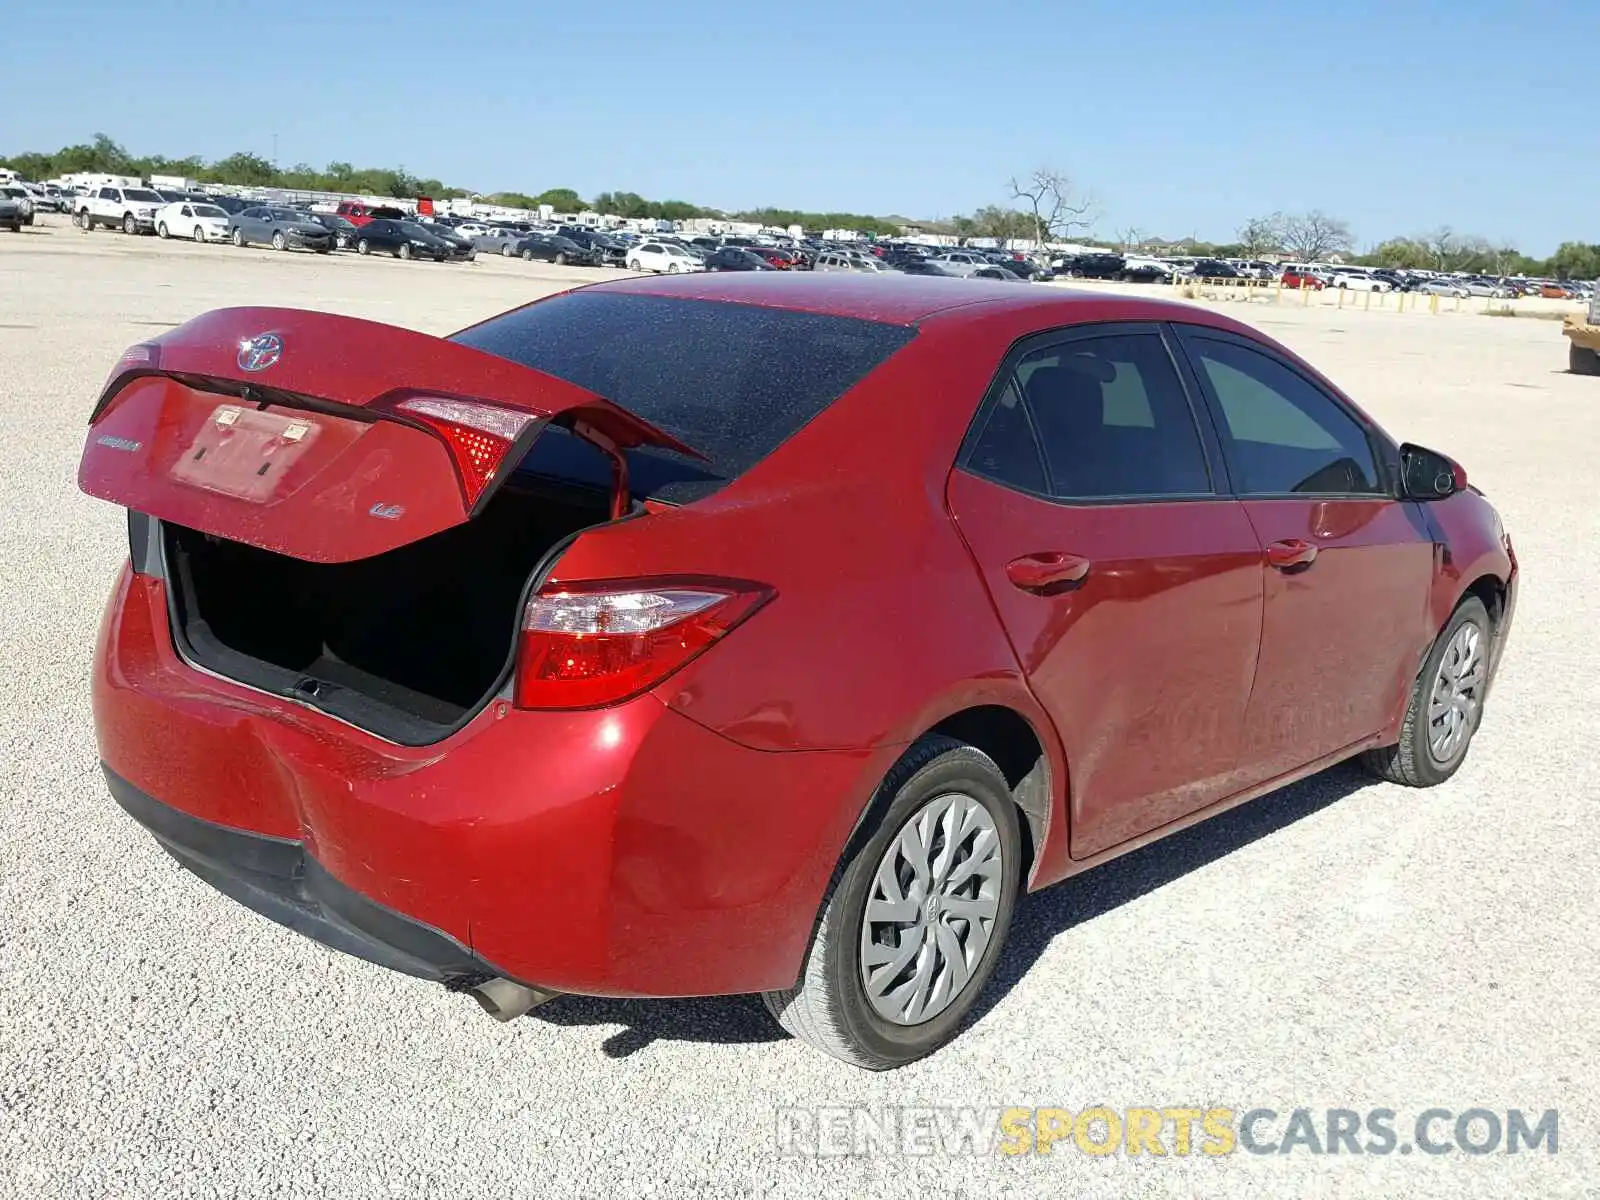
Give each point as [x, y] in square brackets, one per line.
[754, 633]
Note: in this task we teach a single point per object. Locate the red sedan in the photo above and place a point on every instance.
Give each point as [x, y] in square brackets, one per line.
[754, 633]
[1302, 279]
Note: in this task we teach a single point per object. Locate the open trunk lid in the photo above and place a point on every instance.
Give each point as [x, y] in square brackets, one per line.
[323, 437]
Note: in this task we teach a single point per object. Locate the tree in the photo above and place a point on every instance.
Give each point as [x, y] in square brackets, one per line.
[1056, 206]
[1441, 247]
[1575, 260]
[1003, 224]
[245, 168]
[1315, 235]
[560, 199]
[1128, 237]
[1261, 235]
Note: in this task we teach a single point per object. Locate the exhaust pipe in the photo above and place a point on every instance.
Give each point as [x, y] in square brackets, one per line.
[506, 1001]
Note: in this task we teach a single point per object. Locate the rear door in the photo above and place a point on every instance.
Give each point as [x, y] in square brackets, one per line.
[324, 437]
[1128, 582]
[1347, 566]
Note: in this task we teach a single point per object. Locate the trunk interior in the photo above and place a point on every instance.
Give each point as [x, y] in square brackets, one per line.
[407, 644]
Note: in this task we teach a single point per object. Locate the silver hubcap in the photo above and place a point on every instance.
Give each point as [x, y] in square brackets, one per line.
[1457, 694]
[931, 910]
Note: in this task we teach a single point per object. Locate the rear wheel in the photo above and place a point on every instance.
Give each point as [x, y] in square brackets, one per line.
[1581, 360]
[1446, 704]
[916, 916]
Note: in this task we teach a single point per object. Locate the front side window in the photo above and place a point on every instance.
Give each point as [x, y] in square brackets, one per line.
[1113, 419]
[1286, 435]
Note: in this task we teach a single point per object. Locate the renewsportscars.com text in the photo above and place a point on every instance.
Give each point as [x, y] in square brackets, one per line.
[1177, 1131]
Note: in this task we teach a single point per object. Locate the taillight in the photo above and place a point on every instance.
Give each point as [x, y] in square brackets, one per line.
[478, 435]
[584, 649]
[145, 356]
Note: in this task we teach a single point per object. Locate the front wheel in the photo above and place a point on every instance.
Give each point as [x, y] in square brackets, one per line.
[362, 247]
[561, 258]
[1446, 704]
[238, 237]
[506, 251]
[527, 256]
[916, 916]
[129, 225]
[278, 241]
[404, 251]
[672, 268]
[161, 230]
[199, 233]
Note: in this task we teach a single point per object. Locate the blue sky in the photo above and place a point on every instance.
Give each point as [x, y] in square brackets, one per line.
[1398, 116]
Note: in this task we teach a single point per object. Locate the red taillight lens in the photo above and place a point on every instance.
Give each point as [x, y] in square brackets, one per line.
[144, 356]
[479, 435]
[592, 648]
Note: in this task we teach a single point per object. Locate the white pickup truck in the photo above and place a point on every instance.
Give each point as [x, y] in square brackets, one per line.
[132, 210]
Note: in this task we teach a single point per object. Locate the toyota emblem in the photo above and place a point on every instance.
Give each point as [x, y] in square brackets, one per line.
[260, 352]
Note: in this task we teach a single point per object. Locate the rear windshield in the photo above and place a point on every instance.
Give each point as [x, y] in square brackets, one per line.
[732, 380]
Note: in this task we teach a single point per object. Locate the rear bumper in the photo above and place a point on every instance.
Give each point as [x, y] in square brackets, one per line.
[624, 851]
[278, 879]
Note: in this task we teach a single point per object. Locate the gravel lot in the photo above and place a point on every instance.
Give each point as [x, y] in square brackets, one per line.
[1341, 943]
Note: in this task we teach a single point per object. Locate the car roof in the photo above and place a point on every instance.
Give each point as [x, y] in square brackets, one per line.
[906, 299]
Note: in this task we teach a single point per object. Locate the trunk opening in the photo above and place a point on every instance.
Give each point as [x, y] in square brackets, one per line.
[408, 644]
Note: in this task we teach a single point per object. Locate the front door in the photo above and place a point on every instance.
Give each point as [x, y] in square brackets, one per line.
[1347, 565]
[1130, 587]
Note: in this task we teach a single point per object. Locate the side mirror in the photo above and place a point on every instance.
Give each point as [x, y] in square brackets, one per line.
[1428, 475]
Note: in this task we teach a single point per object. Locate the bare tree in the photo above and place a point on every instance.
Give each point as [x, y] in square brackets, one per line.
[1261, 235]
[1442, 246]
[1314, 235]
[1054, 202]
[1128, 238]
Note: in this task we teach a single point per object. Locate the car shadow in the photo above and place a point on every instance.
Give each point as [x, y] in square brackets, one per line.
[1039, 919]
[1043, 916]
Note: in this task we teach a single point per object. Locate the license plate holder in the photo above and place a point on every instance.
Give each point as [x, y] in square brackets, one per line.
[245, 452]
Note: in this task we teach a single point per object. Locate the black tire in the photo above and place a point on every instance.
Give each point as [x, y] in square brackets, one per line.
[561, 258]
[672, 268]
[404, 251]
[506, 251]
[1581, 360]
[1411, 761]
[200, 233]
[129, 225]
[84, 221]
[828, 1007]
[279, 242]
[238, 238]
[161, 231]
[527, 256]
[362, 247]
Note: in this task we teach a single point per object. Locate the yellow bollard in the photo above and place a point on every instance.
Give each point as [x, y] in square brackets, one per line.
[1433, 302]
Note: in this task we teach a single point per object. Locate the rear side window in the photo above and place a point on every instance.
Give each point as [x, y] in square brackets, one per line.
[732, 380]
[1113, 419]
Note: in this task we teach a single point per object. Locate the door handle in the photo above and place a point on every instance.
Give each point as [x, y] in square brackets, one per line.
[1035, 572]
[1291, 553]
